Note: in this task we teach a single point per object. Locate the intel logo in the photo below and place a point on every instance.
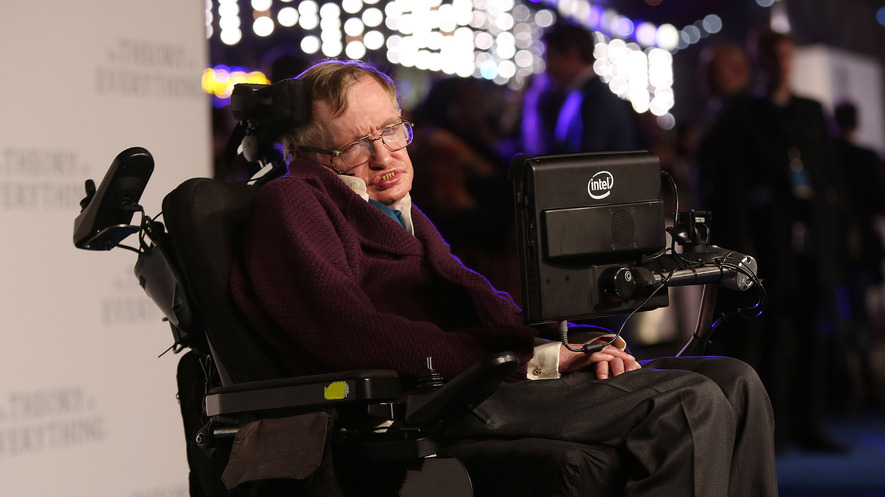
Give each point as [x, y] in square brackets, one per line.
[600, 185]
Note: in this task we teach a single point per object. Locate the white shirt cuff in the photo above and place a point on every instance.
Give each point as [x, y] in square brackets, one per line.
[544, 365]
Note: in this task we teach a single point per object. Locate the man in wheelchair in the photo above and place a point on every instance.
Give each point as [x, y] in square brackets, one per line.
[338, 271]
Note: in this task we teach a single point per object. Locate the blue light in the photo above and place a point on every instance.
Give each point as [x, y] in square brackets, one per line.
[218, 102]
[489, 70]
[596, 17]
[609, 23]
[624, 27]
[645, 33]
[880, 15]
[405, 88]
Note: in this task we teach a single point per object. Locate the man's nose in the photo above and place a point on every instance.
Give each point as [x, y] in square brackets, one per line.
[380, 154]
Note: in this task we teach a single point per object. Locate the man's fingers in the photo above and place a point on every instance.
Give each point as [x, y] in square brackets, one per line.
[630, 362]
[600, 357]
[617, 366]
[609, 349]
[602, 370]
[608, 362]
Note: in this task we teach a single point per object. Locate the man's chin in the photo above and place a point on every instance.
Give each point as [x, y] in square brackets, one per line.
[392, 201]
[392, 197]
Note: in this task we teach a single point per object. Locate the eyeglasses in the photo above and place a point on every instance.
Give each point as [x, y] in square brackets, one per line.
[358, 152]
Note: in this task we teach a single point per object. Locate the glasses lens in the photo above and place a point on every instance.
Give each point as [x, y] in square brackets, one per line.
[356, 153]
[394, 138]
[397, 137]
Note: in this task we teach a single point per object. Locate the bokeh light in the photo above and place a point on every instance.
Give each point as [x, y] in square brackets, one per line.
[220, 80]
[261, 5]
[498, 40]
[287, 16]
[263, 26]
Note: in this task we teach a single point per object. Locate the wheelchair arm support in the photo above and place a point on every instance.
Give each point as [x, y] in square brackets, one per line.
[457, 396]
[462, 393]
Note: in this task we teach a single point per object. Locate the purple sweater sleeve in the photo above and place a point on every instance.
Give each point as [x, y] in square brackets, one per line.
[333, 284]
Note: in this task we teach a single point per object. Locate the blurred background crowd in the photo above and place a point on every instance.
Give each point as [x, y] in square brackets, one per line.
[713, 88]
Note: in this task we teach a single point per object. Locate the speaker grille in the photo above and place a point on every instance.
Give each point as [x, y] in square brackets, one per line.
[623, 227]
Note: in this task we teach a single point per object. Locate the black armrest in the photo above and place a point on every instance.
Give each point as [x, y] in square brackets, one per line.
[462, 393]
[304, 391]
[457, 396]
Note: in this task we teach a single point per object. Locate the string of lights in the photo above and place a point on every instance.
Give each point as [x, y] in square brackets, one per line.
[498, 40]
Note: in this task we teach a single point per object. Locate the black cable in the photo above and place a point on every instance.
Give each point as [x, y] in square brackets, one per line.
[675, 189]
[687, 264]
[127, 247]
[721, 262]
[135, 208]
[762, 295]
[589, 348]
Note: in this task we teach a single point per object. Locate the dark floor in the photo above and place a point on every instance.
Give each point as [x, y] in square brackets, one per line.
[859, 473]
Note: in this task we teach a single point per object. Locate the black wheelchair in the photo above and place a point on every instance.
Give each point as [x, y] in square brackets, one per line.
[251, 430]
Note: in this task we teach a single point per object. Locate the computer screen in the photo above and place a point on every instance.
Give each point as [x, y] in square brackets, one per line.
[578, 215]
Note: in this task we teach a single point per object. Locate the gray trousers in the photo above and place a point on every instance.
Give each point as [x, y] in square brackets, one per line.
[692, 426]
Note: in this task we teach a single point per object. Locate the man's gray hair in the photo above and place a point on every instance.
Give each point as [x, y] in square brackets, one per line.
[330, 81]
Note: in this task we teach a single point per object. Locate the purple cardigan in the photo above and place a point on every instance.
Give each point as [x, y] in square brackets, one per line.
[334, 284]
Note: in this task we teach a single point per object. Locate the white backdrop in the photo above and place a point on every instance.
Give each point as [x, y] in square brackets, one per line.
[831, 75]
[86, 405]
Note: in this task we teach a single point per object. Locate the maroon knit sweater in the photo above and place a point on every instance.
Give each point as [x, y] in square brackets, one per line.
[334, 284]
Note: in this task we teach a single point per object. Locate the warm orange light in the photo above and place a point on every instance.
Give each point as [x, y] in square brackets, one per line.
[220, 80]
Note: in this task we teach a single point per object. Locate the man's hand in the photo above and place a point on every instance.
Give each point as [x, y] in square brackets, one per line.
[608, 362]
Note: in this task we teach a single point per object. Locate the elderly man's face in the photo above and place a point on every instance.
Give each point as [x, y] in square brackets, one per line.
[388, 175]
